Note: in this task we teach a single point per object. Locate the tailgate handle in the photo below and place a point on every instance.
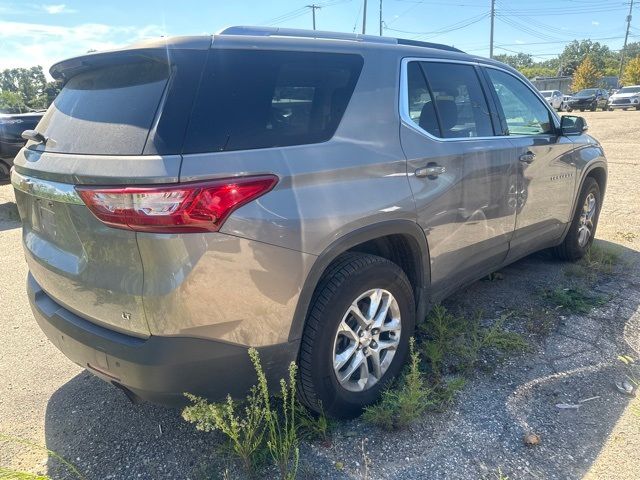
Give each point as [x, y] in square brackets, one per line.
[34, 136]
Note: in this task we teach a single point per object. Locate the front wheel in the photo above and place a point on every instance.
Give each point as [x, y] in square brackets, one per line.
[583, 226]
[357, 334]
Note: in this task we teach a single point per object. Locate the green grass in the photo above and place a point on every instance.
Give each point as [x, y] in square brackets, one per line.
[460, 342]
[573, 300]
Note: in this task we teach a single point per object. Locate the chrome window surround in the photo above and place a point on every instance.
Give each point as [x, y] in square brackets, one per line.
[404, 100]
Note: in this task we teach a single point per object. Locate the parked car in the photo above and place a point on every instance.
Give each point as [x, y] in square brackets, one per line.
[589, 99]
[565, 103]
[553, 98]
[307, 194]
[626, 97]
[11, 141]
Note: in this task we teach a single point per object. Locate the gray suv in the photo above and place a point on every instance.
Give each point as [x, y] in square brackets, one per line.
[309, 194]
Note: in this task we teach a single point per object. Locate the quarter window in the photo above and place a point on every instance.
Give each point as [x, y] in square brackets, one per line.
[261, 99]
[524, 112]
[447, 101]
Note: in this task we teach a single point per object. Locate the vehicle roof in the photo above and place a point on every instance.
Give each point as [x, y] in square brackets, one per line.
[276, 38]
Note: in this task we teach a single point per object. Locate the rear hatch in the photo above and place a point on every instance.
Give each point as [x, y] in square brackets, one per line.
[120, 119]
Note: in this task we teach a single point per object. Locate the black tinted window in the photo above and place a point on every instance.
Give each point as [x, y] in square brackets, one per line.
[106, 111]
[260, 99]
[455, 105]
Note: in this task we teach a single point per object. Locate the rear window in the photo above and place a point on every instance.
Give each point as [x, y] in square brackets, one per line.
[261, 99]
[108, 110]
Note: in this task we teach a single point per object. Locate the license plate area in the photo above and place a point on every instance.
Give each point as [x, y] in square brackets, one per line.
[44, 218]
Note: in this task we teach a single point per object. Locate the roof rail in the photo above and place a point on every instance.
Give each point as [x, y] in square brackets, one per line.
[354, 37]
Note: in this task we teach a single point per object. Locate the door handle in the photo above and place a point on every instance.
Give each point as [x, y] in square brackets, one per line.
[432, 171]
[527, 157]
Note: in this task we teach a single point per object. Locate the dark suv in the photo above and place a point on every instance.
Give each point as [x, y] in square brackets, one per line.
[589, 99]
[309, 194]
[11, 141]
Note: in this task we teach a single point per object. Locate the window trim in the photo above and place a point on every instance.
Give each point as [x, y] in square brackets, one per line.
[403, 103]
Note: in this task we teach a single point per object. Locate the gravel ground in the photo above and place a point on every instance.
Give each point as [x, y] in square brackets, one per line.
[51, 402]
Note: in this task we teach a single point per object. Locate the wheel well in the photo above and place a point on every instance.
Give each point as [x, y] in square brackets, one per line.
[600, 176]
[401, 250]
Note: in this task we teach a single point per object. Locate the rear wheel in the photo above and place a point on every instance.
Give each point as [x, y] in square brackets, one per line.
[584, 223]
[357, 333]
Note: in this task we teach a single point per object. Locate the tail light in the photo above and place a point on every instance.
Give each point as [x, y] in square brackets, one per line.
[180, 208]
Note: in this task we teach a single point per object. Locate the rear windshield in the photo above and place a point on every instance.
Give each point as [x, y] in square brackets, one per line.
[261, 99]
[107, 110]
[629, 90]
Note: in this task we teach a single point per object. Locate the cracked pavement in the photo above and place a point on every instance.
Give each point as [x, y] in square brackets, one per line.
[52, 402]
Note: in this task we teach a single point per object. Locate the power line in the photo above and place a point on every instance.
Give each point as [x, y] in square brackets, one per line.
[493, 19]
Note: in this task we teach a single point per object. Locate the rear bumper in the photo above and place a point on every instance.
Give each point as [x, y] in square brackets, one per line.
[158, 369]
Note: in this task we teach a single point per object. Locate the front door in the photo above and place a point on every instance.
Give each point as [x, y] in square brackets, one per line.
[463, 177]
[546, 169]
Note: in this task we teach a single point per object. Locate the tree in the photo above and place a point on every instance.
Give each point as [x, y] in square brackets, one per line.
[11, 102]
[576, 52]
[30, 85]
[586, 75]
[631, 74]
[519, 60]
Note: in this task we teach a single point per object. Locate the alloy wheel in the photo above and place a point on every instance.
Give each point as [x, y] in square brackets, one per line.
[367, 340]
[585, 225]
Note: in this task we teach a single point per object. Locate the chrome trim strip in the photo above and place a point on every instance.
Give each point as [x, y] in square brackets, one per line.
[54, 191]
[404, 99]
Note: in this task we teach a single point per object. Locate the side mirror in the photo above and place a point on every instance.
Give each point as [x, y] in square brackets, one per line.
[572, 125]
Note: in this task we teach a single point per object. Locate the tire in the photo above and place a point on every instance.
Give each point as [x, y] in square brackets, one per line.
[594, 108]
[349, 277]
[582, 109]
[574, 247]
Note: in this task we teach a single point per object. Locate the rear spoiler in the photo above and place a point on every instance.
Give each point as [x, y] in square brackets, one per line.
[158, 50]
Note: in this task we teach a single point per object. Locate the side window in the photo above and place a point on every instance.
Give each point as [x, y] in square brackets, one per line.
[446, 100]
[524, 112]
[261, 99]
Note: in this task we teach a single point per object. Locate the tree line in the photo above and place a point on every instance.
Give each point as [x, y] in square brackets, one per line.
[26, 89]
[586, 61]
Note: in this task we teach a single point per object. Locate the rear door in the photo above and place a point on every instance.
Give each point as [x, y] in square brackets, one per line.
[112, 124]
[545, 165]
[462, 175]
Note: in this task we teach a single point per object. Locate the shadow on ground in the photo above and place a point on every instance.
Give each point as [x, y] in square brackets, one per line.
[93, 425]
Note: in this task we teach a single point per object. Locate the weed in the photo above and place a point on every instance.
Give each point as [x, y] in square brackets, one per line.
[499, 475]
[445, 392]
[600, 258]
[244, 432]
[628, 236]
[401, 405]
[494, 277]
[281, 430]
[4, 472]
[8, 474]
[573, 300]
[314, 426]
[257, 428]
[366, 463]
[460, 341]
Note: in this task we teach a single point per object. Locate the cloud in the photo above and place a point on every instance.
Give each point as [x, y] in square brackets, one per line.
[595, 23]
[25, 44]
[55, 9]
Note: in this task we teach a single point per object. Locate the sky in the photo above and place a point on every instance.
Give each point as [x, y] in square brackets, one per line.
[33, 33]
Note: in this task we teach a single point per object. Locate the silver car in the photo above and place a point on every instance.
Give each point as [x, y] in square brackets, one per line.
[309, 194]
[553, 97]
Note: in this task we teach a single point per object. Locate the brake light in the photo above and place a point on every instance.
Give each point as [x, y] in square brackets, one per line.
[180, 208]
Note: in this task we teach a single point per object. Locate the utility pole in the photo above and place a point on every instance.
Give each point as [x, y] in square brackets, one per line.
[364, 18]
[493, 18]
[313, 8]
[380, 17]
[626, 37]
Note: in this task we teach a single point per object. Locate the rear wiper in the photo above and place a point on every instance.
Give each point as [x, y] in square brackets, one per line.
[35, 136]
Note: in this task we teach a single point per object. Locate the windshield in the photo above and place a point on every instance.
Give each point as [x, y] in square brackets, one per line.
[546, 93]
[629, 90]
[589, 92]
